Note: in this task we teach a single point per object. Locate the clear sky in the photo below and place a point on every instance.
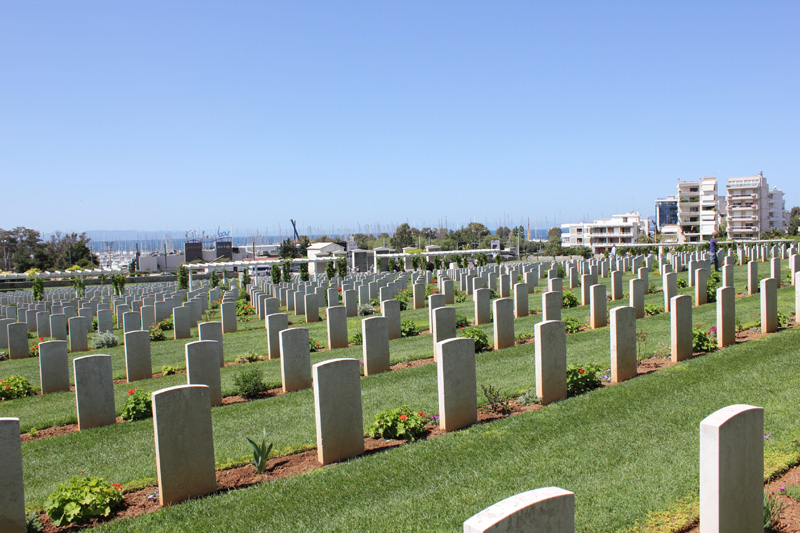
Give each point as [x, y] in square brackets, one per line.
[191, 115]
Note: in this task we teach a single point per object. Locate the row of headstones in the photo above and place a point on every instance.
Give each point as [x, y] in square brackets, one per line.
[13, 335]
[101, 293]
[54, 369]
[731, 484]
[182, 417]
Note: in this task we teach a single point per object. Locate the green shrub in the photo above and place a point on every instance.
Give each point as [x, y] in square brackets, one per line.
[14, 387]
[82, 498]
[138, 406]
[569, 300]
[243, 308]
[783, 319]
[704, 341]
[572, 324]
[582, 378]
[498, 401]
[314, 345]
[157, 334]
[248, 357]
[462, 321]
[652, 309]
[356, 339]
[104, 339]
[365, 310]
[249, 382]
[523, 337]
[461, 296]
[682, 283]
[167, 324]
[409, 328]
[167, 370]
[480, 338]
[402, 423]
[529, 398]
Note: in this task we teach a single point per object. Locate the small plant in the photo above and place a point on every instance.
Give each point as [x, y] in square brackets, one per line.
[652, 309]
[409, 328]
[249, 382]
[82, 498]
[480, 338]
[104, 339]
[703, 341]
[641, 340]
[248, 357]
[529, 397]
[682, 283]
[498, 402]
[243, 308]
[356, 339]
[739, 325]
[32, 522]
[582, 378]
[260, 452]
[168, 324]
[402, 423]
[773, 507]
[314, 345]
[366, 310]
[138, 406]
[14, 387]
[569, 300]
[792, 491]
[275, 273]
[783, 319]
[572, 324]
[167, 370]
[522, 338]
[460, 296]
[157, 334]
[462, 321]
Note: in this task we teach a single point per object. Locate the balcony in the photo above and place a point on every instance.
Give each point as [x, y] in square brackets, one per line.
[743, 218]
[735, 207]
[746, 196]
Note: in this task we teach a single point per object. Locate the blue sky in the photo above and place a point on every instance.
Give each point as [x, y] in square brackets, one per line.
[344, 115]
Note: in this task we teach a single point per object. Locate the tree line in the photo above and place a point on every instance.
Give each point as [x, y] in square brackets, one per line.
[22, 249]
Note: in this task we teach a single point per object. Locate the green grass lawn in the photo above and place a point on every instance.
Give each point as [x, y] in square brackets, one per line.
[595, 445]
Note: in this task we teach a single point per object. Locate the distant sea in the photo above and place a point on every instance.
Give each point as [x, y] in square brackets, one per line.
[128, 240]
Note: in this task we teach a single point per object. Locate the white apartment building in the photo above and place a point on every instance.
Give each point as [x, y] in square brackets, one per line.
[753, 208]
[700, 209]
[605, 233]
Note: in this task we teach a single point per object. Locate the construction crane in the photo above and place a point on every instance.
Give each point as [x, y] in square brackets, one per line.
[294, 226]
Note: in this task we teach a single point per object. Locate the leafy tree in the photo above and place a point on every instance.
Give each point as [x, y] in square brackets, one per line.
[303, 268]
[287, 270]
[402, 237]
[288, 250]
[553, 246]
[118, 282]
[330, 270]
[183, 278]
[362, 240]
[275, 272]
[341, 266]
[214, 281]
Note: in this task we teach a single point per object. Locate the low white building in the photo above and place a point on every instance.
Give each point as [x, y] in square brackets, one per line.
[605, 233]
[319, 250]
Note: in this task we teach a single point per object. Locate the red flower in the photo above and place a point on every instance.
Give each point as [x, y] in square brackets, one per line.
[8, 387]
[131, 391]
[402, 417]
[116, 486]
[581, 371]
[422, 415]
[41, 339]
